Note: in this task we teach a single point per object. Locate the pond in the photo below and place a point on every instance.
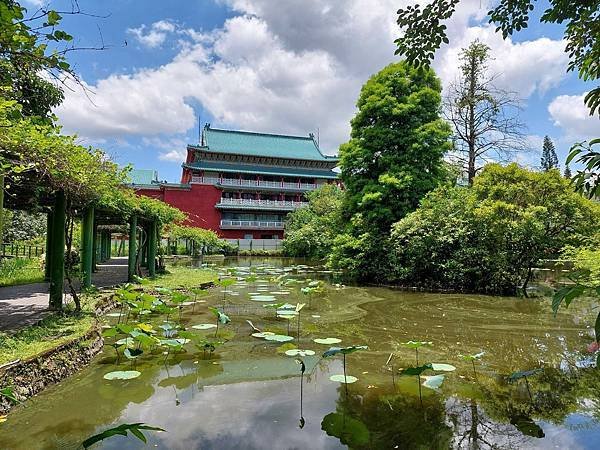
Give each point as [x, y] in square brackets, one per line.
[249, 394]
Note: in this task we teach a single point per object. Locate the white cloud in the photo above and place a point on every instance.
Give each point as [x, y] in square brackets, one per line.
[154, 35]
[570, 113]
[288, 68]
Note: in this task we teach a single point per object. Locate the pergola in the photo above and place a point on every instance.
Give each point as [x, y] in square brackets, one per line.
[97, 223]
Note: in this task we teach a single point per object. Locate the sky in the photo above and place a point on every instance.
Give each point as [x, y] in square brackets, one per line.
[285, 66]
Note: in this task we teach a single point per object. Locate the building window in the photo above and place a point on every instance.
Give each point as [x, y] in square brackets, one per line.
[249, 236]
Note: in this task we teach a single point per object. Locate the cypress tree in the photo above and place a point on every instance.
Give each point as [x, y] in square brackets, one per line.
[568, 174]
[549, 159]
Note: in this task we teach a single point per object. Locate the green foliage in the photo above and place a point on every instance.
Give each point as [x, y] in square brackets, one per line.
[121, 430]
[393, 158]
[14, 271]
[202, 239]
[549, 159]
[310, 231]
[23, 226]
[587, 180]
[424, 31]
[488, 238]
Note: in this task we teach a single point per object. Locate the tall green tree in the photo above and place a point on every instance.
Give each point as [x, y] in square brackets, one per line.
[484, 117]
[394, 157]
[398, 140]
[567, 173]
[549, 159]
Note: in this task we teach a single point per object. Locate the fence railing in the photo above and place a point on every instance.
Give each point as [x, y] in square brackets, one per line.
[257, 244]
[254, 183]
[21, 250]
[284, 204]
[251, 224]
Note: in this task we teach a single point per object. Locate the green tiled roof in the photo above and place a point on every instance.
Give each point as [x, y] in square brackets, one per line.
[263, 144]
[143, 176]
[262, 170]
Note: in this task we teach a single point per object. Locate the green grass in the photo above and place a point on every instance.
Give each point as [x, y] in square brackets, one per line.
[14, 271]
[184, 277]
[53, 331]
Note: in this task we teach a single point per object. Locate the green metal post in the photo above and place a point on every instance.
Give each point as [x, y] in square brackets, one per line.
[132, 249]
[144, 252]
[49, 222]
[87, 241]
[95, 246]
[108, 247]
[57, 252]
[152, 249]
[1, 208]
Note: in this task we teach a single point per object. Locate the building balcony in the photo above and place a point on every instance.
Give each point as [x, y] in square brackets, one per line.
[250, 225]
[254, 184]
[276, 205]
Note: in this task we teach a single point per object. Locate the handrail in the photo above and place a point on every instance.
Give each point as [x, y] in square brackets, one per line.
[252, 224]
[252, 183]
[261, 202]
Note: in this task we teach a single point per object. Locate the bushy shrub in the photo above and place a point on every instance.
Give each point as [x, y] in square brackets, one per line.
[489, 237]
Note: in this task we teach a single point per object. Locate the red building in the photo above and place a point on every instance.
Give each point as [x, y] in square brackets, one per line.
[242, 184]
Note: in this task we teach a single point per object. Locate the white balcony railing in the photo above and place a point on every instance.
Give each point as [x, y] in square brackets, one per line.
[277, 204]
[254, 183]
[251, 224]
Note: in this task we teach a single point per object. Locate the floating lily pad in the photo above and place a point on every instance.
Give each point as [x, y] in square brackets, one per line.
[286, 312]
[327, 341]
[442, 367]
[280, 292]
[263, 298]
[341, 379]
[263, 335]
[279, 338]
[122, 375]
[125, 341]
[116, 314]
[298, 352]
[204, 326]
[433, 382]
[187, 303]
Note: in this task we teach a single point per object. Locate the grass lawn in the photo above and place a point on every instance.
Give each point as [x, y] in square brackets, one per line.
[15, 271]
[53, 331]
[183, 277]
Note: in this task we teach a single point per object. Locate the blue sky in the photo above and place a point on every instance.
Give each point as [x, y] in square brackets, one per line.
[288, 66]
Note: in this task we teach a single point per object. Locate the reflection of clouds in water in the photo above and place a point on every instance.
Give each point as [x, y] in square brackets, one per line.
[250, 415]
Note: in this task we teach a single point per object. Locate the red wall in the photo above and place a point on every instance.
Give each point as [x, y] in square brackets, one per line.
[198, 202]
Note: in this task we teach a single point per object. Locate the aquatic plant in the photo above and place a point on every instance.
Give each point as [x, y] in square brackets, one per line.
[416, 345]
[121, 430]
[198, 292]
[122, 375]
[327, 341]
[333, 351]
[225, 283]
[298, 308]
[473, 358]
[221, 318]
[302, 370]
[431, 382]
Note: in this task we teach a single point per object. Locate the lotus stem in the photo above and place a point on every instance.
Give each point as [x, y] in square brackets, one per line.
[345, 380]
[474, 371]
[420, 395]
[417, 355]
[528, 390]
[217, 330]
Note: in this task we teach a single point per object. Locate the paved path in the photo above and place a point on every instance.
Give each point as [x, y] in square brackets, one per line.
[27, 304]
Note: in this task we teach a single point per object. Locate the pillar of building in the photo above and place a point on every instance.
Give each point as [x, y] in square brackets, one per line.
[57, 251]
[87, 246]
[132, 248]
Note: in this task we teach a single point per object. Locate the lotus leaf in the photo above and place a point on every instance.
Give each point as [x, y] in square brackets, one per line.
[298, 352]
[416, 344]
[439, 367]
[434, 382]
[344, 350]
[204, 326]
[263, 335]
[348, 379]
[279, 338]
[327, 341]
[122, 375]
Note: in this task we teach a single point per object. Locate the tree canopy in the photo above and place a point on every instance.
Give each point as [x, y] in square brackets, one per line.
[424, 32]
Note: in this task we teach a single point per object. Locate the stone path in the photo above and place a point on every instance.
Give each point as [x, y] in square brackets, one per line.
[25, 305]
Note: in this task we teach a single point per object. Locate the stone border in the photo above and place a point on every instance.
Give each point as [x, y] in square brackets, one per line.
[30, 377]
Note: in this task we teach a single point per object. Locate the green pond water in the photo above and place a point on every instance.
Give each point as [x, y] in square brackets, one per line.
[247, 395]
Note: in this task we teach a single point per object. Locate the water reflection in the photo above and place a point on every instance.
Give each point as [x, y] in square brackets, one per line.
[246, 395]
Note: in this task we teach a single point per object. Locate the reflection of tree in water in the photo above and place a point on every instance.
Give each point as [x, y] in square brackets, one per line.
[393, 420]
